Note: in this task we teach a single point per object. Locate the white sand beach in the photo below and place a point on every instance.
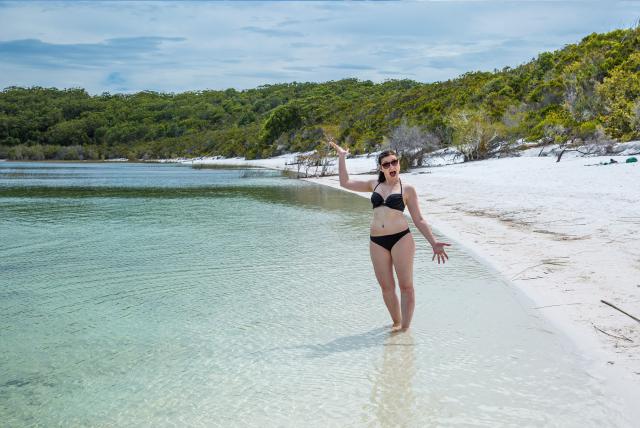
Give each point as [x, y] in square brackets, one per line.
[565, 233]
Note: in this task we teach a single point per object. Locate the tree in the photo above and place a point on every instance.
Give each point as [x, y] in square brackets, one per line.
[411, 143]
[282, 119]
[71, 132]
[474, 134]
[621, 91]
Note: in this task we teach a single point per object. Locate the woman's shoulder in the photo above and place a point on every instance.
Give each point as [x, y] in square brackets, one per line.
[410, 188]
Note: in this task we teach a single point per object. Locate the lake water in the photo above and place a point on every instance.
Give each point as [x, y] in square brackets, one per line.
[145, 295]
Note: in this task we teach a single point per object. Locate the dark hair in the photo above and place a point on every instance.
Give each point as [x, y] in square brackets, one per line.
[382, 155]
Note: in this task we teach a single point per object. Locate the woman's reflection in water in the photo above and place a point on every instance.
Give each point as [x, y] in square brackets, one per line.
[392, 396]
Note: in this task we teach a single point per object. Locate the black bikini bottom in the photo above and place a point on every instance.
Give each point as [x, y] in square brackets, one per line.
[388, 241]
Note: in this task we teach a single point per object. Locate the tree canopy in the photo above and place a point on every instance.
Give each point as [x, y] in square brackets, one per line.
[581, 91]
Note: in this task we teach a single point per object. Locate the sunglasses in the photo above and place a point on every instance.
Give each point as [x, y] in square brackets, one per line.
[386, 165]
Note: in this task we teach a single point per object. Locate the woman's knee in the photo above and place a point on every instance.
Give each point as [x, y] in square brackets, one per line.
[387, 287]
[406, 287]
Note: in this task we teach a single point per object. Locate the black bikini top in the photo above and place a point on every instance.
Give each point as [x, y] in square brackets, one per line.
[393, 201]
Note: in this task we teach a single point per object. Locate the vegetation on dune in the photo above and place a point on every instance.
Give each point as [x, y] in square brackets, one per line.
[583, 93]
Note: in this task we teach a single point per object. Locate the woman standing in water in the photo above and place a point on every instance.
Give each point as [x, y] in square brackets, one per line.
[391, 244]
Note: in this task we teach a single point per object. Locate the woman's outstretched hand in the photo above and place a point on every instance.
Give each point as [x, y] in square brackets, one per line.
[438, 250]
[340, 150]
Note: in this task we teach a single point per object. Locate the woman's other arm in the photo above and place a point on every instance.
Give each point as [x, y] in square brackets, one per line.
[423, 227]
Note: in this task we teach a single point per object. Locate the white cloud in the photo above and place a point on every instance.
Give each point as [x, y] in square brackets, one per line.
[176, 46]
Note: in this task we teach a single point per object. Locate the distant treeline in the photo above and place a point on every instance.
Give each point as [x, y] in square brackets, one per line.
[583, 92]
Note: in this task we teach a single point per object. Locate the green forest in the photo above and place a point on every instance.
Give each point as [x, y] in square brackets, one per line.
[585, 92]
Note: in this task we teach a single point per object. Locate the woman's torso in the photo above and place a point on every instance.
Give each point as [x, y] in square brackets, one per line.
[386, 220]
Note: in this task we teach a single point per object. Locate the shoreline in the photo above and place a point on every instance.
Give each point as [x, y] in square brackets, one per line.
[561, 233]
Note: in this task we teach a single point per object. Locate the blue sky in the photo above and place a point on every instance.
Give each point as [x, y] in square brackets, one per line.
[175, 46]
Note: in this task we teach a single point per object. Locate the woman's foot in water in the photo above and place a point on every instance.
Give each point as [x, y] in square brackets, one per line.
[396, 327]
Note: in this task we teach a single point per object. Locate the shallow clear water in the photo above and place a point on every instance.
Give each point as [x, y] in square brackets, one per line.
[159, 295]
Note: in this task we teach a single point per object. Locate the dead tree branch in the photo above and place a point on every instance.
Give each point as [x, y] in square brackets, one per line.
[612, 335]
[618, 309]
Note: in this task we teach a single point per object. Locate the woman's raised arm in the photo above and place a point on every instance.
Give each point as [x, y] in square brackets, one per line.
[355, 185]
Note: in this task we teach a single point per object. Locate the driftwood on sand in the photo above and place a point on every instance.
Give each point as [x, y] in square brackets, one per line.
[618, 309]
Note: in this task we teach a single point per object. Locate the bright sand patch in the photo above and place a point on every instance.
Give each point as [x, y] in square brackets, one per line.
[564, 233]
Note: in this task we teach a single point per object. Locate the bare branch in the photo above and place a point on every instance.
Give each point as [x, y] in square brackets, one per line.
[617, 308]
[612, 335]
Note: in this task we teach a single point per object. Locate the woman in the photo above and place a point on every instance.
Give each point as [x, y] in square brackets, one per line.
[391, 244]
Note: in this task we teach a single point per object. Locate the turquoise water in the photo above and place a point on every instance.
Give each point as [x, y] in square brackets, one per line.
[160, 295]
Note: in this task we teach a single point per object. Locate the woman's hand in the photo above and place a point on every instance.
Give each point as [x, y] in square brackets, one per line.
[340, 150]
[438, 250]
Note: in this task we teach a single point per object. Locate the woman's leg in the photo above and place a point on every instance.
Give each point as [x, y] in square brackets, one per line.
[402, 255]
[381, 259]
